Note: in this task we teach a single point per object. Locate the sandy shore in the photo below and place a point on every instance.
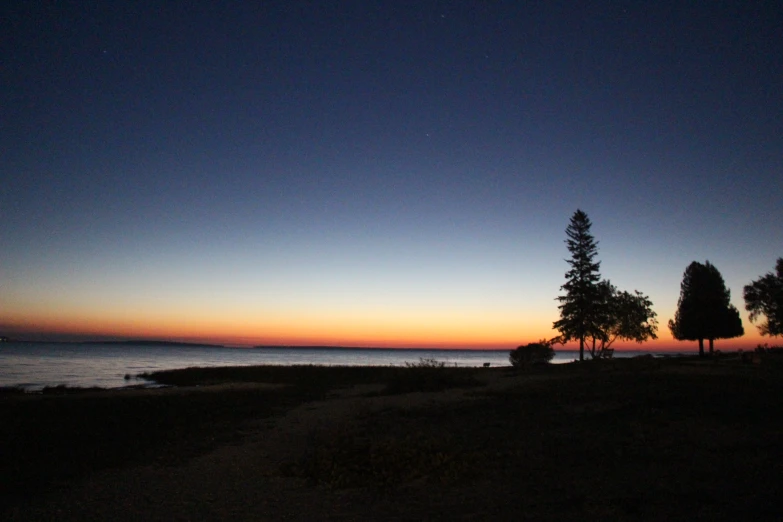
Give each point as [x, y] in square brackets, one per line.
[626, 440]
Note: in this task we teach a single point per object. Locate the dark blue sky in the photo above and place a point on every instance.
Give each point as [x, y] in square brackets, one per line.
[308, 166]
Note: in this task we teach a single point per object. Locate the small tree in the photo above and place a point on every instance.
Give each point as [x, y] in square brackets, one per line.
[704, 310]
[622, 316]
[764, 297]
[532, 353]
[579, 310]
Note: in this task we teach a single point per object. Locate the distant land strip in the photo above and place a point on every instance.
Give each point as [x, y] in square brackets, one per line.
[270, 347]
[179, 344]
[142, 343]
[159, 343]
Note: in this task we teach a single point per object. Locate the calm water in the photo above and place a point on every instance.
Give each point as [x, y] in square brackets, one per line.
[33, 366]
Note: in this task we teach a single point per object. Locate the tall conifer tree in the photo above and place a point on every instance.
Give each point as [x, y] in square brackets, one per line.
[580, 312]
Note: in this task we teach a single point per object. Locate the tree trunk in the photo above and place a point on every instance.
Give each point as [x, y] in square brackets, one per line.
[711, 352]
[701, 347]
[581, 348]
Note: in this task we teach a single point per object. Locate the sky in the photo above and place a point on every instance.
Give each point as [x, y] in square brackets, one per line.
[377, 173]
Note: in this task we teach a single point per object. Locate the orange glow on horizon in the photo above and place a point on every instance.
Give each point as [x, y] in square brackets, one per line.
[440, 332]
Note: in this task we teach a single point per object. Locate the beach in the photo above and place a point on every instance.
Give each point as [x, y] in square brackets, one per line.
[626, 439]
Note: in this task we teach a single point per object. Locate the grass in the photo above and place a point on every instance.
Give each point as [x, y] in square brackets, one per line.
[11, 390]
[48, 439]
[426, 376]
[599, 440]
[304, 377]
[63, 433]
[350, 455]
[618, 439]
[429, 378]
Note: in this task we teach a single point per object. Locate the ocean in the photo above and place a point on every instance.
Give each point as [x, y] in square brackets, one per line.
[33, 366]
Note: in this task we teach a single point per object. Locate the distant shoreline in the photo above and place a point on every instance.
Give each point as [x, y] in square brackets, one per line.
[137, 343]
[179, 344]
[160, 343]
[257, 347]
[316, 347]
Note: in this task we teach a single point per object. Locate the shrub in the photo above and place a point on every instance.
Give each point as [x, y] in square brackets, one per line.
[532, 353]
[426, 363]
[772, 350]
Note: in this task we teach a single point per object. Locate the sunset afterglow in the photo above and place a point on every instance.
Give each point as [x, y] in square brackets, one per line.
[297, 176]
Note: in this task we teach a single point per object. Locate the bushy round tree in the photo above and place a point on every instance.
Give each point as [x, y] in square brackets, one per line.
[764, 297]
[704, 310]
[624, 316]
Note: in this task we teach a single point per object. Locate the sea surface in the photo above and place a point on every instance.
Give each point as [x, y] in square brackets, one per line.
[33, 366]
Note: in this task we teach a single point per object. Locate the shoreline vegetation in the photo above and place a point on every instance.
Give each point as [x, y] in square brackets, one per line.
[657, 438]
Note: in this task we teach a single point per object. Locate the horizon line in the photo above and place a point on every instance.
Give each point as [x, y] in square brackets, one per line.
[167, 342]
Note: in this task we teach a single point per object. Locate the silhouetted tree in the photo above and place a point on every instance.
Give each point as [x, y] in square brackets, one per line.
[622, 315]
[764, 296]
[580, 306]
[704, 310]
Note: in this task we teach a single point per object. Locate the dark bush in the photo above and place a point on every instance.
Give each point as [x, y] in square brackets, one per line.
[532, 353]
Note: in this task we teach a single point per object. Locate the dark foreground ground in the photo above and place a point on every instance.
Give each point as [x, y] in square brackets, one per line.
[632, 439]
